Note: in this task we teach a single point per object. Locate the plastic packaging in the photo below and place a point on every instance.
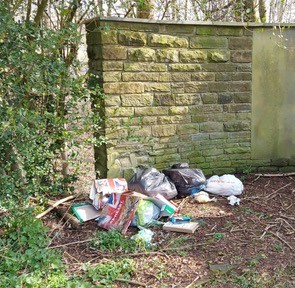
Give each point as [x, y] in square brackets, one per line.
[146, 212]
[144, 235]
[203, 197]
[181, 219]
[150, 181]
[233, 200]
[188, 181]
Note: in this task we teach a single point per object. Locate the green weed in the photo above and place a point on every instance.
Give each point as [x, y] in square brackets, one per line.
[247, 169]
[228, 224]
[218, 235]
[249, 279]
[278, 247]
[115, 241]
[107, 272]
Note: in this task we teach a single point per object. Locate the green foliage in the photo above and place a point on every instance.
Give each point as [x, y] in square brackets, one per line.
[42, 114]
[278, 247]
[247, 169]
[107, 272]
[42, 103]
[24, 256]
[25, 260]
[218, 235]
[250, 279]
[115, 241]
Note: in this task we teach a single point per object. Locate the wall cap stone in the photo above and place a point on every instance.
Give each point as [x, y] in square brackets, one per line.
[200, 23]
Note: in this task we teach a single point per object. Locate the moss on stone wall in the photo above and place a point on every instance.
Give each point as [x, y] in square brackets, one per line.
[176, 93]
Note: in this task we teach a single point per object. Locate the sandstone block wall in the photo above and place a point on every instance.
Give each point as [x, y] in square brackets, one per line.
[174, 93]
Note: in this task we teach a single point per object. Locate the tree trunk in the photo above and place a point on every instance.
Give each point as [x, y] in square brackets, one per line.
[40, 12]
[262, 11]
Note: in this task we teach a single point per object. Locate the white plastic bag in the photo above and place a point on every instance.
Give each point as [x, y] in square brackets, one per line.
[225, 185]
[233, 200]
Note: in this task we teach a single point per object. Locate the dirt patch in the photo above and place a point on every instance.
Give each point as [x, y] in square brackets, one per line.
[251, 245]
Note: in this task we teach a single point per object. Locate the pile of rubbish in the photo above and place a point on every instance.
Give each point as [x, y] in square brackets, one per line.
[147, 198]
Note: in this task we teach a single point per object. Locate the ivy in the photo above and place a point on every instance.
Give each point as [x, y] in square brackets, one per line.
[42, 100]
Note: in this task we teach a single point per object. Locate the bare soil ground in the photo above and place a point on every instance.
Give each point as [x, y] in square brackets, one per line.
[251, 245]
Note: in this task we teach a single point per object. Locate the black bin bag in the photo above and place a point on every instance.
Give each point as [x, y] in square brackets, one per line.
[150, 181]
[188, 181]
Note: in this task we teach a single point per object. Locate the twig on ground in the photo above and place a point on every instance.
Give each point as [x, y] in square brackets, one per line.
[272, 195]
[70, 243]
[286, 222]
[192, 284]
[213, 227]
[63, 212]
[256, 178]
[236, 230]
[287, 217]
[131, 282]
[146, 253]
[289, 207]
[276, 175]
[182, 247]
[71, 256]
[55, 204]
[281, 239]
[265, 230]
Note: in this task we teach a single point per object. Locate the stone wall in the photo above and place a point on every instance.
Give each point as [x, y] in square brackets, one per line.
[174, 93]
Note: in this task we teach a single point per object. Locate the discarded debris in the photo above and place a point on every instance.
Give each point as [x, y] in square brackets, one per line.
[118, 212]
[203, 197]
[188, 181]
[84, 211]
[184, 227]
[150, 181]
[144, 235]
[102, 188]
[146, 213]
[225, 185]
[233, 200]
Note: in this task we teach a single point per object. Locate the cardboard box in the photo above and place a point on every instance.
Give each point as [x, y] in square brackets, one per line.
[118, 212]
[186, 227]
[102, 188]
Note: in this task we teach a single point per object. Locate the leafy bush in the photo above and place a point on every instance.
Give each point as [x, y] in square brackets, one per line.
[42, 116]
[41, 109]
[23, 250]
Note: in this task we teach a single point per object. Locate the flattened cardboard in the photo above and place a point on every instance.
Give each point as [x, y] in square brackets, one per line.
[85, 212]
[186, 227]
